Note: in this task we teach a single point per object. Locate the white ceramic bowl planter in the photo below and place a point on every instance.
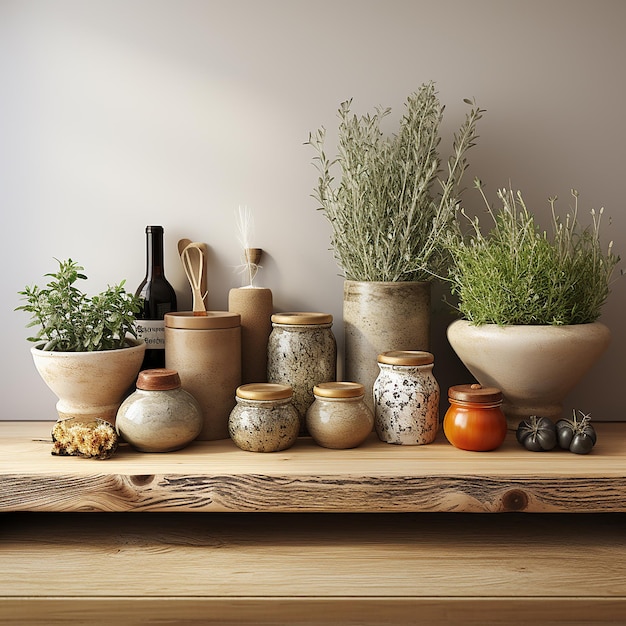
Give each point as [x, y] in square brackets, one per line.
[90, 385]
[535, 367]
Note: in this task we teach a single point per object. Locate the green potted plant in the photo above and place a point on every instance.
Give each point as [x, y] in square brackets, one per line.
[529, 301]
[389, 206]
[87, 349]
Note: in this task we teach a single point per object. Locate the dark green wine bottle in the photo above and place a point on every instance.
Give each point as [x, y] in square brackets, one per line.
[158, 298]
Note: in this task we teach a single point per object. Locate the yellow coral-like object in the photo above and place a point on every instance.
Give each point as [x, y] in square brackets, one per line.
[95, 440]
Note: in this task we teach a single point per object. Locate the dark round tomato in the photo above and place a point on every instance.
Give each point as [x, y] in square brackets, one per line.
[537, 434]
[576, 435]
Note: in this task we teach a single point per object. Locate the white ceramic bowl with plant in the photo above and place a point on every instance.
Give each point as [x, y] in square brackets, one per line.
[530, 301]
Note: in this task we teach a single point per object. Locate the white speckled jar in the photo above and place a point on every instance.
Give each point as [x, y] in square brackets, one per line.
[406, 398]
[264, 418]
[301, 353]
[339, 417]
[159, 416]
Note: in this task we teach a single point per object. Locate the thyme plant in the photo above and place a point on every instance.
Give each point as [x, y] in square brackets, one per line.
[390, 208]
[518, 274]
[70, 321]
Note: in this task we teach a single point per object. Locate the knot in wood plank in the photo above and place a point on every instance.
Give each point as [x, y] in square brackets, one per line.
[514, 500]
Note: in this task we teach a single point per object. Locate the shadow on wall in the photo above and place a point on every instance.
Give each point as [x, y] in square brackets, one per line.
[448, 370]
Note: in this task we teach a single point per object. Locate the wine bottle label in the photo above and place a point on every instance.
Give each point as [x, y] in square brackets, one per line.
[152, 332]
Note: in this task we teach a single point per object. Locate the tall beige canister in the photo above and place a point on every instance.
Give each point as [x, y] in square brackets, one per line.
[205, 350]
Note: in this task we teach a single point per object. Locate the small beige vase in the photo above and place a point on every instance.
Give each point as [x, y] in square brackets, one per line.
[380, 317]
[535, 367]
[90, 385]
[254, 305]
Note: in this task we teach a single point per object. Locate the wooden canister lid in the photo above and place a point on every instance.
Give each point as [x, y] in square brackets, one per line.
[339, 390]
[264, 391]
[406, 357]
[475, 393]
[302, 317]
[158, 379]
[212, 320]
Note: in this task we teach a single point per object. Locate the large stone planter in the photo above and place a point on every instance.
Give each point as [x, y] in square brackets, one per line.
[535, 367]
[90, 385]
[379, 317]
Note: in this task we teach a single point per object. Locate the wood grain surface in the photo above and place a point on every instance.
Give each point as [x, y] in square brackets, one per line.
[375, 477]
[312, 568]
[375, 535]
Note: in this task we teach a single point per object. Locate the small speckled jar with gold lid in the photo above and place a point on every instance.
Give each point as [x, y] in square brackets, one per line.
[301, 353]
[339, 417]
[264, 418]
[406, 398]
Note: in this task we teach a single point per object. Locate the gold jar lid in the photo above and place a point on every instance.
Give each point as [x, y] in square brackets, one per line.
[406, 357]
[339, 390]
[158, 379]
[212, 320]
[302, 317]
[264, 391]
[475, 393]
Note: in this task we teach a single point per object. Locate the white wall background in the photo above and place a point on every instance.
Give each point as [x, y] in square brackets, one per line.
[119, 113]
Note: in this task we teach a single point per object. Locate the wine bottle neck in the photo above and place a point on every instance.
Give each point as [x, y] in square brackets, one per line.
[154, 251]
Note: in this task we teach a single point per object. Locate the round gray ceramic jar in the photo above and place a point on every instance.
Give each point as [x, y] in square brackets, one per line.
[406, 398]
[159, 416]
[264, 418]
[339, 417]
[301, 353]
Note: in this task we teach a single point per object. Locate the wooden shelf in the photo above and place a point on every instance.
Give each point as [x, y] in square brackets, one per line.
[341, 569]
[375, 477]
[312, 536]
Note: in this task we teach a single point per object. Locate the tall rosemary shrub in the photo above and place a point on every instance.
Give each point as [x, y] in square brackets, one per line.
[390, 207]
[515, 273]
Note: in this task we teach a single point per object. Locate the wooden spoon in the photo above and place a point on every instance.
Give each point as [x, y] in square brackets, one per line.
[194, 264]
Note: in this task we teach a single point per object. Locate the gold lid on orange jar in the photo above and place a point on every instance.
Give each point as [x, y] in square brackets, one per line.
[339, 390]
[295, 318]
[475, 393]
[264, 391]
[406, 357]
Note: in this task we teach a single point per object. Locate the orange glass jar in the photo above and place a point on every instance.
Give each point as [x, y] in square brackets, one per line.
[475, 420]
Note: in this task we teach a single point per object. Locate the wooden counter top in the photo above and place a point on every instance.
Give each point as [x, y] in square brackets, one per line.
[312, 536]
[375, 477]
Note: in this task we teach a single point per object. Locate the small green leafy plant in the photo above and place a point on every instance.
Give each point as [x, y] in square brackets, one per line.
[518, 274]
[391, 207]
[70, 321]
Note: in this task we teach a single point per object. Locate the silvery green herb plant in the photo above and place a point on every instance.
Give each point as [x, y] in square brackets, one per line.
[70, 321]
[391, 207]
[516, 273]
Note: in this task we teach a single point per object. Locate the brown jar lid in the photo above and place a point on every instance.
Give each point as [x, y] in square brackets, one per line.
[212, 320]
[406, 357]
[159, 379]
[302, 317]
[475, 393]
[264, 391]
[339, 390]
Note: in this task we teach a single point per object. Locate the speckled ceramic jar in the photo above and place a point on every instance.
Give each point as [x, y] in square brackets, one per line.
[301, 353]
[339, 417]
[264, 418]
[159, 416]
[406, 398]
